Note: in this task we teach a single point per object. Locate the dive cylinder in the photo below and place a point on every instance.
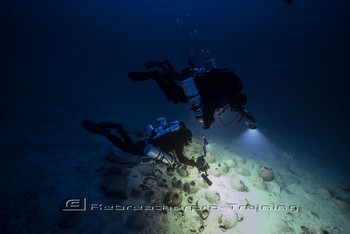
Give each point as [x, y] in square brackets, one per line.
[173, 126]
[149, 131]
[161, 124]
[158, 154]
[193, 97]
[161, 121]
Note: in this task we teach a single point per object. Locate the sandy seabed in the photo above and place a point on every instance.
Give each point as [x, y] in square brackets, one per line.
[48, 158]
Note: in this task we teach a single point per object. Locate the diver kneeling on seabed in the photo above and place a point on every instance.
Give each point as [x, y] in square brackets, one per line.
[164, 143]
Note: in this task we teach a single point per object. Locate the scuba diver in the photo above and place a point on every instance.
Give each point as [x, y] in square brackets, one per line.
[208, 89]
[164, 143]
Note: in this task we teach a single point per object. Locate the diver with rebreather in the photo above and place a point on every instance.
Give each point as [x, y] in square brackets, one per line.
[163, 143]
[207, 88]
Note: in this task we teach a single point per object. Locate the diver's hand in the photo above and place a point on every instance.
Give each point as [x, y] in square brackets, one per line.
[201, 164]
[250, 120]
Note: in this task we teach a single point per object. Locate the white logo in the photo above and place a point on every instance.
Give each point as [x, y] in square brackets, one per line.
[74, 204]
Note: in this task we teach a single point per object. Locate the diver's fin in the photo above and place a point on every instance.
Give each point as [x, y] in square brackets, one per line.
[93, 127]
[152, 64]
[110, 125]
[141, 76]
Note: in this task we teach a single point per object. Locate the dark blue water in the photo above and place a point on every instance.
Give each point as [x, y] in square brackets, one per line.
[293, 61]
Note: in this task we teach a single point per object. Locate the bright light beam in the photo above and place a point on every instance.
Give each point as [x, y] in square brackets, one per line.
[255, 139]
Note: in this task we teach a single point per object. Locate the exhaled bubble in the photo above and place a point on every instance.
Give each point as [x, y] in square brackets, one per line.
[179, 23]
[194, 33]
[205, 52]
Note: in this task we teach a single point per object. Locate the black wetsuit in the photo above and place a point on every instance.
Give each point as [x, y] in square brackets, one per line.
[171, 143]
[217, 88]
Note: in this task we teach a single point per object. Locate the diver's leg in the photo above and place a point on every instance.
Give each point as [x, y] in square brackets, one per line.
[127, 146]
[118, 142]
[125, 136]
[93, 127]
[125, 143]
[152, 64]
[170, 67]
[169, 87]
[120, 129]
[132, 148]
[110, 125]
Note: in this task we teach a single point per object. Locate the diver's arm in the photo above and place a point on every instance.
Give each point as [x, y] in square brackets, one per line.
[165, 77]
[170, 67]
[208, 118]
[248, 118]
[163, 67]
[183, 159]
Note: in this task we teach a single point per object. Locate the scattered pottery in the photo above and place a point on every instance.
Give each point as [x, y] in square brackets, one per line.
[182, 171]
[177, 184]
[170, 172]
[227, 220]
[162, 183]
[212, 197]
[223, 168]
[266, 174]
[173, 198]
[239, 159]
[214, 170]
[203, 210]
[190, 199]
[231, 163]
[204, 214]
[202, 183]
[174, 182]
[196, 224]
[259, 184]
[242, 171]
[238, 185]
[187, 187]
[193, 187]
[157, 173]
[210, 158]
